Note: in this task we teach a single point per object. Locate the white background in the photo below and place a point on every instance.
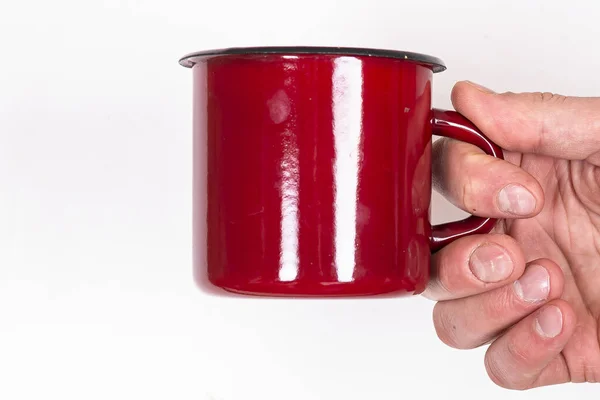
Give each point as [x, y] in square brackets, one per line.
[96, 293]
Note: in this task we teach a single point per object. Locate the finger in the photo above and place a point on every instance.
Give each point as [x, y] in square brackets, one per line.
[484, 185]
[473, 321]
[518, 358]
[474, 264]
[542, 123]
[556, 372]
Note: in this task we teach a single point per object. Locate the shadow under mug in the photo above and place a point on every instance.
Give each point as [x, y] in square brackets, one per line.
[312, 170]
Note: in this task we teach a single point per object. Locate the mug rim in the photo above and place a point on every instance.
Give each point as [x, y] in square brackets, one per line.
[434, 63]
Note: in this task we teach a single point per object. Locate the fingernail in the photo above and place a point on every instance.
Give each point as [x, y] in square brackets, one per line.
[517, 200]
[479, 87]
[490, 263]
[534, 285]
[549, 322]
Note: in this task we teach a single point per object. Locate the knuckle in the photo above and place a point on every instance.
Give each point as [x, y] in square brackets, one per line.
[473, 194]
[445, 325]
[581, 369]
[518, 352]
[545, 121]
[549, 97]
[501, 374]
[450, 275]
[496, 372]
[500, 304]
[530, 113]
[467, 198]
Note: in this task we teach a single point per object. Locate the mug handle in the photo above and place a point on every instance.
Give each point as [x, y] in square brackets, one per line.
[453, 125]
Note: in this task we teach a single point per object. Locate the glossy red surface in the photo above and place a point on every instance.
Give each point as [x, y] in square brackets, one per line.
[313, 174]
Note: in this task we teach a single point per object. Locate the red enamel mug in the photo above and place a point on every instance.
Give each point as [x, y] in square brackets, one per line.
[312, 170]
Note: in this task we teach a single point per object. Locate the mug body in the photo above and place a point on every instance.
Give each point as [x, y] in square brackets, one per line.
[312, 173]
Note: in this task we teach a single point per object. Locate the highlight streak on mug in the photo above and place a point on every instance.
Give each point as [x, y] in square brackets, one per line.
[312, 170]
[347, 130]
[289, 209]
[280, 112]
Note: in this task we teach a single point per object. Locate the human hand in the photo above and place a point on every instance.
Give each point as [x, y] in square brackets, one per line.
[532, 286]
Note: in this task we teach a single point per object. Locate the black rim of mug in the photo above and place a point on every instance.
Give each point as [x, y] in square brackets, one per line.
[434, 63]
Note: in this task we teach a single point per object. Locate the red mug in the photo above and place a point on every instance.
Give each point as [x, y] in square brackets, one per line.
[312, 170]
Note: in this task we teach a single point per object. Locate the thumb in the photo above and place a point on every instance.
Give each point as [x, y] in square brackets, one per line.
[541, 123]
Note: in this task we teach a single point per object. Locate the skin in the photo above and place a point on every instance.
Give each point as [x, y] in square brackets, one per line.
[552, 148]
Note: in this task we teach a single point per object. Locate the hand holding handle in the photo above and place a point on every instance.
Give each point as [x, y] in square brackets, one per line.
[453, 125]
